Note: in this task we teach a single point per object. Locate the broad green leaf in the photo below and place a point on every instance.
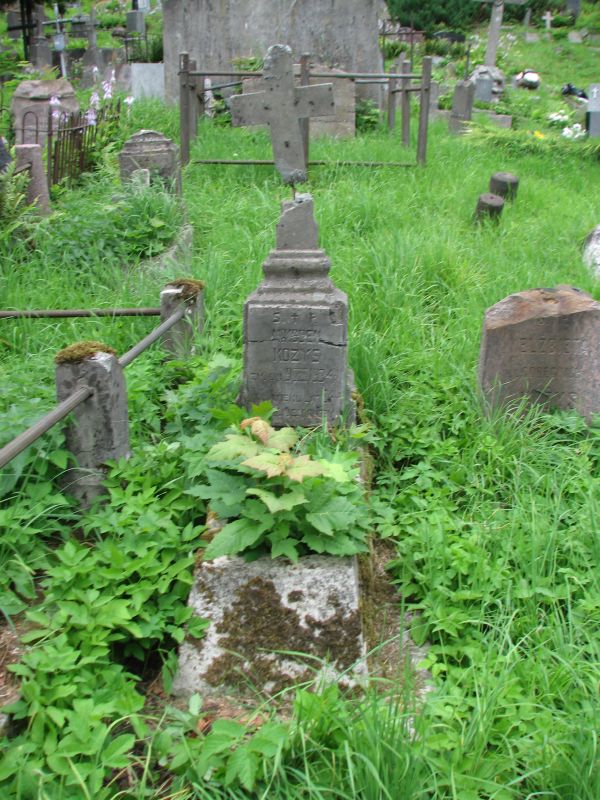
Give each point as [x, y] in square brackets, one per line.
[235, 446]
[337, 514]
[242, 764]
[116, 753]
[285, 548]
[304, 467]
[285, 502]
[272, 464]
[235, 537]
[283, 439]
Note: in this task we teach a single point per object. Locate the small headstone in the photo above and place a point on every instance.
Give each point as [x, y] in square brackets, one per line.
[136, 22]
[575, 37]
[591, 251]
[462, 106]
[152, 151]
[574, 7]
[592, 120]
[13, 24]
[483, 72]
[484, 90]
[282, 106]
[296, 329]
[543, 344]
[504, 184]
[30, 105]
[263, 616]
[30, 155]
[531, 37]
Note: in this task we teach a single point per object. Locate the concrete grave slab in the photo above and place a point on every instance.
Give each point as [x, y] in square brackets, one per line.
[260, 612]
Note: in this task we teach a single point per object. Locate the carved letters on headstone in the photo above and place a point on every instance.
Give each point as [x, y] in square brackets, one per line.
[543, 344]
[155, 152]
[282, 106]
[296, 329]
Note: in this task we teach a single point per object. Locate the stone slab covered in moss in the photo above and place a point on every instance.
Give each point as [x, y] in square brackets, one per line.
[263, 615]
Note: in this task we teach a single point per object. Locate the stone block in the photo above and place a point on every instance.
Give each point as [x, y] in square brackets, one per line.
[263, 615]
[147, 81]
[30, 104]
[462, 106]
[575, 37]
[37, 188]
[544, 345]
[591, 251]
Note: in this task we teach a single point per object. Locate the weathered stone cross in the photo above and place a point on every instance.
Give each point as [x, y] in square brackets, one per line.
[281, 106]
[494, 31]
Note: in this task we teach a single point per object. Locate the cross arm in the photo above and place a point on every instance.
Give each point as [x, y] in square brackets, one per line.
[314, 101]
[250, 109]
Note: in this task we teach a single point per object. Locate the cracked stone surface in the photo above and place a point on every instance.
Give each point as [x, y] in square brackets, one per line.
[296, 329]
[274, 624]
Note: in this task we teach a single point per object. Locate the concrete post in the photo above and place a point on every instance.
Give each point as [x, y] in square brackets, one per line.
[184, 108]
[504, 184]
[178, 341]
[489, 206]
[405, 68]
[37, 189]
[99, 427]
[494, 33]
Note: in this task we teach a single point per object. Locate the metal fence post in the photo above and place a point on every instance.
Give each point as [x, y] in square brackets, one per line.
[424, 110]
[193, 100]
[99, 430]
[178, 341]
[184, 107]
[405, 82]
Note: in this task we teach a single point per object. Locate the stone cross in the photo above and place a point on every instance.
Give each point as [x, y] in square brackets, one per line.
[281, 106]
[547, 17]
[296, 329]
[494, 31]
[593, 111]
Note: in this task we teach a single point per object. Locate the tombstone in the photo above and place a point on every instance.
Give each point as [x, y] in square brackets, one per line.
[592, 117]
[531, 37]
[37, 189]
[543, 345]
[136, 23]
[462, 106]
[342, 123]
[40, 52]
[79, 26]
[153, 151]
[30, 105]
[485, 73]
[273, 625]
[495, 26]
[340, 33]
[296, 329]
[547, 17]
[484, 89]
[574, 7]
[281, 106]
[591, 252]
[13, 24]
[575, 37]
[527, 20]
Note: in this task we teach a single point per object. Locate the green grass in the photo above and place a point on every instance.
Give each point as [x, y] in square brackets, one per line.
[495, 520]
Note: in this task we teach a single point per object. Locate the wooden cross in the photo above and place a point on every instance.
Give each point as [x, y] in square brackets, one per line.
[494, 32]
[281, 106]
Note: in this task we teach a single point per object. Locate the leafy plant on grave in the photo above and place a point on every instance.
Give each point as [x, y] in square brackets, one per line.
[368, 115]
[279, 501]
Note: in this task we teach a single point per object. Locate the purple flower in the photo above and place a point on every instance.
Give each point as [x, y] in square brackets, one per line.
[95, 100]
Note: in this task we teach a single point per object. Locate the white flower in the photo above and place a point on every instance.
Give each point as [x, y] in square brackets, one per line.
[576, 131]
[54, 101]
[129, 100]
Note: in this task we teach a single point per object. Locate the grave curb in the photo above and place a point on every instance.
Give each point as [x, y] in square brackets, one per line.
[179, 254]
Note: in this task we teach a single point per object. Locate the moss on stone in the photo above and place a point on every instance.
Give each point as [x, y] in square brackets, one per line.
[78, 352]
[191, 287]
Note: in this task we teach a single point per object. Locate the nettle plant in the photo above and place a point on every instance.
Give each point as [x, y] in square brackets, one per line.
[277, 500]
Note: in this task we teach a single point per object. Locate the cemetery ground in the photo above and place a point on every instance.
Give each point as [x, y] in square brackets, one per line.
[491, 522]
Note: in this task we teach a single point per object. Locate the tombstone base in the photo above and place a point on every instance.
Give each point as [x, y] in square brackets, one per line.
[263, 615]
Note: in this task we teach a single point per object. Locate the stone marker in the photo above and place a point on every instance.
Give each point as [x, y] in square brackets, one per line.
[264, 606]
[178, 341]
[281, 106]
[13, 24]
[543, 344]
[99, 427]
[153, 151]
[531, 37]
[462, 106]
[575, 37]
[484, 89]
[495, 26]
[489, 206]
[592, 117]
[483, 73]
[5, 158]
[30, 104]
[574, 7]
[37, 188]
[296, 329]
[136, 22]
[591, 251]
[547, 17]
[40, 52]
[504, 184]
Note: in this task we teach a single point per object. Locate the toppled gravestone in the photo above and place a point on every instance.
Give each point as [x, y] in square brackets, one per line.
[543, 345]
[296, 329]
[264, 615]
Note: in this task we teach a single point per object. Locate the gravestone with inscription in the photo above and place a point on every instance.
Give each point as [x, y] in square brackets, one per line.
[296, 329]
[462, 106]
[592, 119]
[281, 106]
[543, 345]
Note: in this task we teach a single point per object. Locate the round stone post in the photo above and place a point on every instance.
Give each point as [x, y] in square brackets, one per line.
[99, 428]
[178, 341]
[37, 189]
[504, 184]
[489, 206]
